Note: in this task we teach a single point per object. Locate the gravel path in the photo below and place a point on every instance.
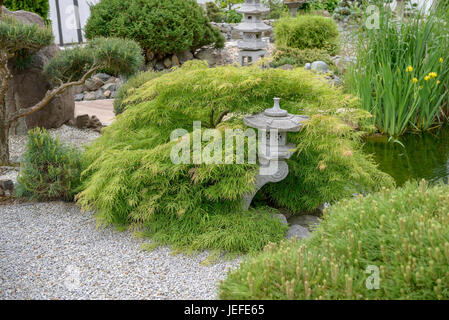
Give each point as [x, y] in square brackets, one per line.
[53, 251]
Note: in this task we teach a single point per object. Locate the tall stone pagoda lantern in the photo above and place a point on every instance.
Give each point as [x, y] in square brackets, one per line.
[252, 28]
[293, 5]
[273, 125]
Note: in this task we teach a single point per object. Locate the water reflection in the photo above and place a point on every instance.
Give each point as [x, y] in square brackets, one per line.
[423, 156]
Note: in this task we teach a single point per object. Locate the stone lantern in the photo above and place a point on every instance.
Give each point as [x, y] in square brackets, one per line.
[252, 47]
[294, 5]
[273, 125]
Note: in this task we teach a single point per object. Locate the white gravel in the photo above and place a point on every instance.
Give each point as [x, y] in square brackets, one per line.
[70, 135]
[53, 251]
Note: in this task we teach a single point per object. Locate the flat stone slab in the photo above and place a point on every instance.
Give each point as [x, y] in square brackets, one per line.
[103, 109]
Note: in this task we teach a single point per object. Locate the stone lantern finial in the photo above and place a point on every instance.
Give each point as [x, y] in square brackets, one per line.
[273, 125]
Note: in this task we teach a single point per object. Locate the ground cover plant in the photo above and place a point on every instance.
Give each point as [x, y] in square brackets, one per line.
[402, 232]
[307, 32]
[161, 27]
[402, 71]
[49, 170]
[130, 179]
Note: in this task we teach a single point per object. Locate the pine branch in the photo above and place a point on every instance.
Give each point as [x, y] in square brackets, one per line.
[220, 117]
[49, 96]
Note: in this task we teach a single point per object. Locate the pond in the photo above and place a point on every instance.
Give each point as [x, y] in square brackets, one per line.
[424, 156]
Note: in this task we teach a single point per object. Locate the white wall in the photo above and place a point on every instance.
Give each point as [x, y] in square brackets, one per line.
[69, 22]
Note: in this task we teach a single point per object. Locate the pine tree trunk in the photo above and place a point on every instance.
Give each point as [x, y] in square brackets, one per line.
[4, 143]
[5, 77]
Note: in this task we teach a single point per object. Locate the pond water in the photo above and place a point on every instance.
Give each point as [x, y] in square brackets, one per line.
[424, 156]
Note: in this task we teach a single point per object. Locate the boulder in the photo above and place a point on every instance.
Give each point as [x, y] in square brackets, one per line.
[6, 188]
[185, 56]
[174, 61]
[109, 86]
[281, 218]
[79, 89]
[159, 66]
[167, 63]
[89, 96]
[79, 97]
[28, 86]
[319, 66]
[82, 121]
[102, 76]
[99, 95]
[93, 84]
[25, 16]
[107, 94]
[111, 80]
[95, 123]
[7, 185]
[208, 55]
[297, 231]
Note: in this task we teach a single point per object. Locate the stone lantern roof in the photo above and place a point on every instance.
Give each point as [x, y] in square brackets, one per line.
[276, 118]
[252, 27]
[255, 8]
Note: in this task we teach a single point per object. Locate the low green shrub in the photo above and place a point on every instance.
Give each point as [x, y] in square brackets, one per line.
[49, 170]
[233, 232]
[160, 26]
[307, 32]
[131, 84]
[298, 57]
[232, 16]
[41, 7]
[400, 233]
[130, 178]
[328, 5]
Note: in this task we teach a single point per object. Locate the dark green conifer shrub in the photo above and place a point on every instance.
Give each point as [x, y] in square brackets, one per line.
[214, 13]
[159, 26]
[401, 235]
[307, 32]
[49, 170]
[130, 178]
[41, 7]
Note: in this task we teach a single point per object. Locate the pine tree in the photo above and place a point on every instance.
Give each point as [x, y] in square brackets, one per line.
[67, 69]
